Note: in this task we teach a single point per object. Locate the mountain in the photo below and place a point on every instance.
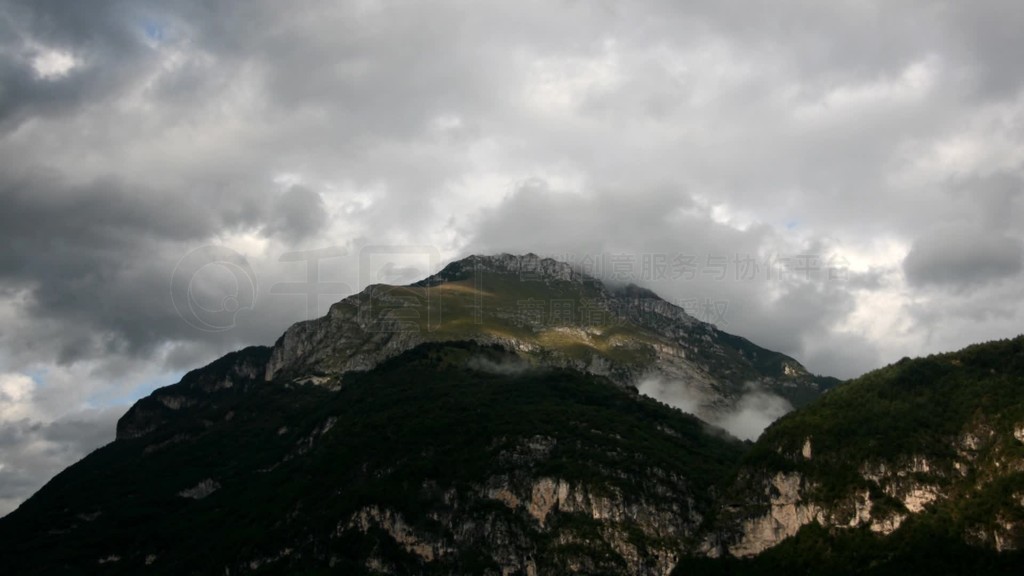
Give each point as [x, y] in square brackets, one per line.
[456, 426]
[451, 458]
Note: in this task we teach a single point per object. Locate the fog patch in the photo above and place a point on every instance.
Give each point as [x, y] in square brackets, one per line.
[745, 419]
[754, 412]
[675, 394]
[509, 367]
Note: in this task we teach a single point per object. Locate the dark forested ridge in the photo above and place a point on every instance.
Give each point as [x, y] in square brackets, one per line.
[451, 458]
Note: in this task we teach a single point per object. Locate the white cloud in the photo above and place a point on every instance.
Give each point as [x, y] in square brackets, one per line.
[50, 64]
[16, 392]
[559, 85]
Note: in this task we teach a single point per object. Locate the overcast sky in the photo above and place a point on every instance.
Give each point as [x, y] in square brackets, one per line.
[840, 181]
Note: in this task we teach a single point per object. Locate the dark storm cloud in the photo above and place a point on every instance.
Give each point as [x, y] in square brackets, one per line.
[108, 50]
[41, 206]
[97, 258]
[960, 256]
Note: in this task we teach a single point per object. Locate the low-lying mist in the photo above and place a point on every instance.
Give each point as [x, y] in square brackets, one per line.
[755, 410]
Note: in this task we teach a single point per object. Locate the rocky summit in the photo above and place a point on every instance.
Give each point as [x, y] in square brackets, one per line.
[486, 420]
[552, 315]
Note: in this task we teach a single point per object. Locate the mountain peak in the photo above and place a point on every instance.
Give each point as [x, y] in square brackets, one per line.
[551, 313]
[528, 266]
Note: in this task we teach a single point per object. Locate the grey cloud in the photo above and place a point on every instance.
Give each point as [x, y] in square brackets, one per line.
[776, 306]
[989, 38]
[959, 256]
[42, 206]
[96, 259]
[845, 354]
[297, 214]
[33, 450]
[800, 314]
[598, 222]
[351, 92]
[992, 200]
[951, 320]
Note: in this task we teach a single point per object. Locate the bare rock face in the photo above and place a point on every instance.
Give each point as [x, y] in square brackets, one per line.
[640, 538]
[787, 512]
[347, 339]
[788, 503]
[364, 330]
[424, 546]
